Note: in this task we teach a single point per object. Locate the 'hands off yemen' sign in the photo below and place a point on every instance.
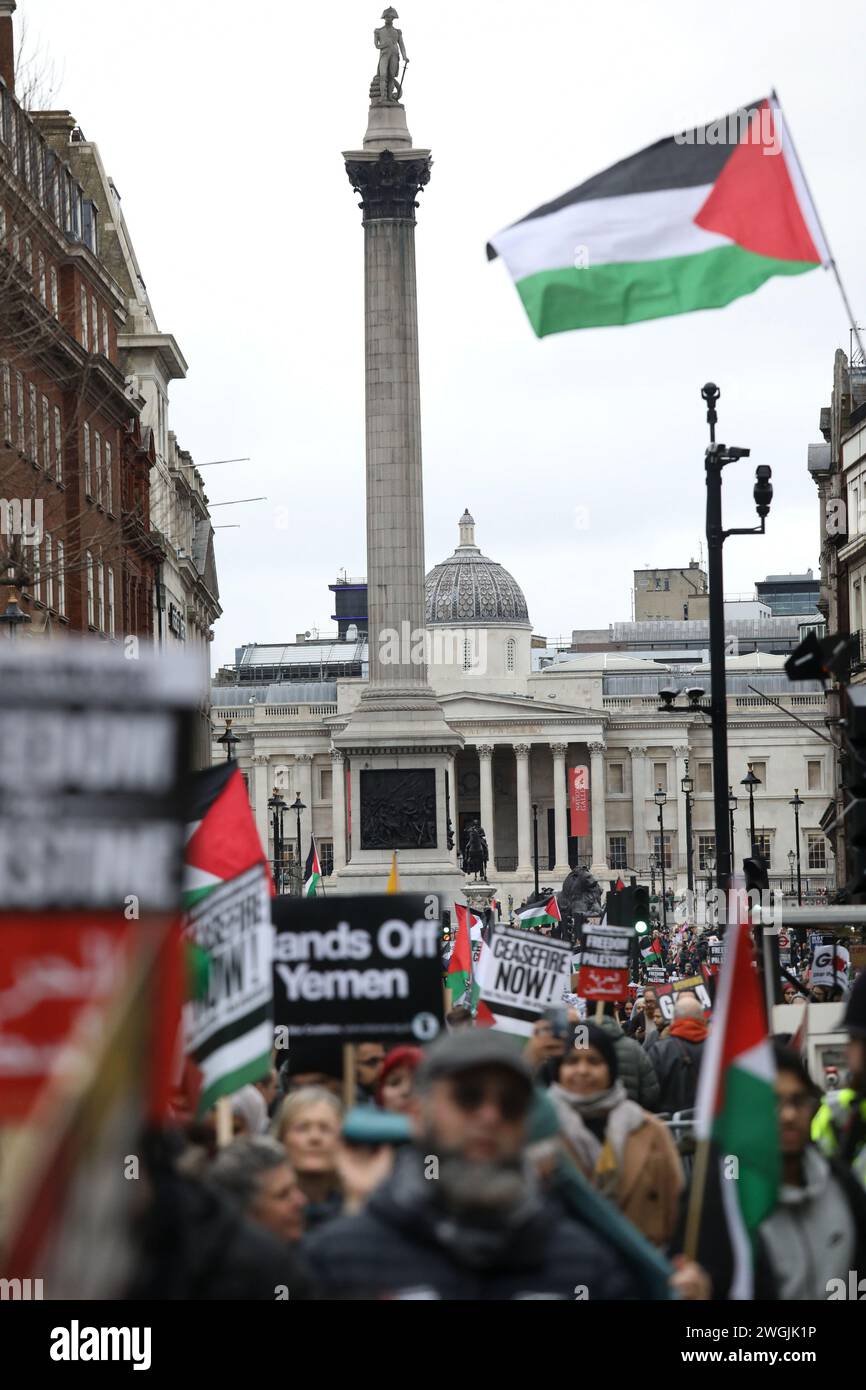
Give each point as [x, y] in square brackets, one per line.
[357, 968]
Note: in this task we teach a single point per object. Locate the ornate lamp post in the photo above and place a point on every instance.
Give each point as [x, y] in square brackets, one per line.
[687, 784]
[660, 799]
[230, 740]
[653, 865]
[797, 803]
[751, 781]
[791, 858]
[535, 843]
[298, 806]
[277, 806]
[710, 865]
[732, 806]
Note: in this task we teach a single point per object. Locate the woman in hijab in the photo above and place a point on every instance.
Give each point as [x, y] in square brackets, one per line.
[625, 1151]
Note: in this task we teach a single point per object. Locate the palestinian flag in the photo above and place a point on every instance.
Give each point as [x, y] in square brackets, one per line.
[540, 914]
[651, 954]
[460, 979]
[736, 1103]
[222, 839]
[312, 871]
[691, 222]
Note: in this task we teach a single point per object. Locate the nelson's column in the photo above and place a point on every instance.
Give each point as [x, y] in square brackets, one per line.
[397, 751]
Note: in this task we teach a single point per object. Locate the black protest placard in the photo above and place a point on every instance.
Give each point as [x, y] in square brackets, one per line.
[604, 962]
[357, 968]
[520, 975]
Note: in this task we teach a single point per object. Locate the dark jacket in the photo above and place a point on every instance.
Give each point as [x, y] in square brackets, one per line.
[404, 1244]
[677, 1063]
[636, 1071]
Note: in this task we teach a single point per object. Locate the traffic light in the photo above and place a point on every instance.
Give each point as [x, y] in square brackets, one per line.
[614, 907]
[640, 909]
[855, 784]
[757, 878]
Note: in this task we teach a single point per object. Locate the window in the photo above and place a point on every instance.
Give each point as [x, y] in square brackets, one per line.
[46, 434]
[28, 255]
[58, 445]
[760, 771]
[325, 784]
[109, 493]
[88, 484]
[813, 774]
[764, 845]
[816, 850]
[7, 402]
[510, 651]
[706, 850]
[85, 330]
[55, 292]
[110, 601]
[34, 426]
[61, 580]
[91, 588]
[657, 849]
[667, 586]
[658, 583]
[705, 778]
[326, 856]
[618, 851]
[24, 140]
[615, 785]
[660, 776]
[97, 450]
[39, 160]
[36, 562]
[43, 283]
[19, 405]
[105, 332]
[100, 594]
[94, 324]
[49, 574]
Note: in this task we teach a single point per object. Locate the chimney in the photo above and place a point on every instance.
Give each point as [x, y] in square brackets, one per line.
[7, 43]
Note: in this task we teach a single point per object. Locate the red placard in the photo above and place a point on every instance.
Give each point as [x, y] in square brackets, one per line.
[578, 793]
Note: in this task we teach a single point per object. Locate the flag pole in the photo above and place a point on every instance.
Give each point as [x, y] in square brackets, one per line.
[696, 1199]
[832, 259]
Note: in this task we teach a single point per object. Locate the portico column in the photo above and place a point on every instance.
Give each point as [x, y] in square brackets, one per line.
[338, 807]
[304, 785]
[597, 793]
[638, 804]
[681, 755]
[485, 772]
[524, 850]
[261, 792]
[560, 828]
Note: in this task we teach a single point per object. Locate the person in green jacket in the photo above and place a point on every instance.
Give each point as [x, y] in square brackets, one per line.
[839, 1127]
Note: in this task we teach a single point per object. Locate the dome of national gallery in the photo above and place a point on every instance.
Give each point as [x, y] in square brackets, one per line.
[467, 589]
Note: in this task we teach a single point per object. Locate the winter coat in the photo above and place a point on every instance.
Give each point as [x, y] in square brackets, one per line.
[405, 1245]
[812, 1235]
[677, 1063]
[636, 1071]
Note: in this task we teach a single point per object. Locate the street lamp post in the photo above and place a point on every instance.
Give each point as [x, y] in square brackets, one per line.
[277, 806]
[660, 799]
[688, 786]
[791, 858]
[710, 864]
[535, 843]
[751, 781]
[732, 806]
[298, 806]
[652, 869]
[230, 740]
[797, 803]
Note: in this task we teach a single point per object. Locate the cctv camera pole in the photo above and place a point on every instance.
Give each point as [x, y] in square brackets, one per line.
[718, 691]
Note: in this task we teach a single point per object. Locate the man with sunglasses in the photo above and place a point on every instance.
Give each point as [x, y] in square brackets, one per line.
[461, 1215]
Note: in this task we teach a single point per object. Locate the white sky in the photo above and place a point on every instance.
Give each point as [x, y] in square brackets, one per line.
[222, 124]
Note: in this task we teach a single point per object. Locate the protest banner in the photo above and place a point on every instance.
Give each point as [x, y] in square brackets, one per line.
[604, 963]
[519, 977]
[357, 968]
[93, 753]
[228, 1030]
[829, 966]
[667, 995]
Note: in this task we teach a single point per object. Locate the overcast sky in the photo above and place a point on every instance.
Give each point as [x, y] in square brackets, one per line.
[222, 125]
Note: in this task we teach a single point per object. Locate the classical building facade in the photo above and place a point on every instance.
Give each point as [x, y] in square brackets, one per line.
[523, 730]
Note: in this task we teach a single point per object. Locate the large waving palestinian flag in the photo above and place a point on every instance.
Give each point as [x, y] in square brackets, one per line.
[692, 222]
[222, 839]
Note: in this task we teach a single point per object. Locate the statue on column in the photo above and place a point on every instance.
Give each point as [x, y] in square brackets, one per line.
[386, 87]
[475, 851]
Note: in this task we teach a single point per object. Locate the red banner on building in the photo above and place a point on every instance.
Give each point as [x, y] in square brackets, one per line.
[578, 794]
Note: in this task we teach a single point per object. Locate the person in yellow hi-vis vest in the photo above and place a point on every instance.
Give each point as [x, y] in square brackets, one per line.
[839, 1127]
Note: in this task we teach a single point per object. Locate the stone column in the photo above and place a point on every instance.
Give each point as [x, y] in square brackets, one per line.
[597, 792]
[338, 807]
[681, 754]
[524, 809]
[303, 783]
[640, 849]
[485, 772]
[560, 811]
[261, 792]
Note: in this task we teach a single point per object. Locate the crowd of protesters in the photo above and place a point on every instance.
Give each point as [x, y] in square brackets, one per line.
[474, 1168]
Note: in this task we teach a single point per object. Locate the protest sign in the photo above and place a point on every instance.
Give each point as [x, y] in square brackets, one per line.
[520, 976]
[93, 753]
[829, 966]
[604, 963]
[229, 1030]
[667, 995]
[357, 968]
